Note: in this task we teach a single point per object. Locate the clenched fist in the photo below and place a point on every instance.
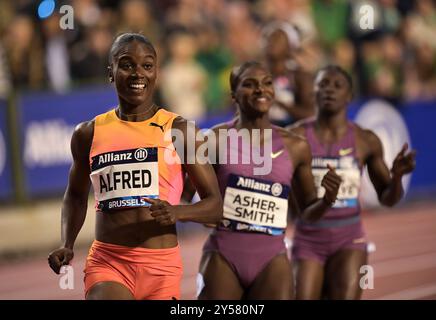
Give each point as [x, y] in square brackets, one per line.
[331, 182]
[60, 257]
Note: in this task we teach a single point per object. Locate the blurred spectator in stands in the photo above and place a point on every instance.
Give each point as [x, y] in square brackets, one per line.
[242, 33]
[384, 65]
[343, 55]
[400, 43]
[375, 75]
[213, 12]
[217, 60]
[391, 16]
[421, 24]
[136, 16]
[86, 12]
[56, 54]
[24, 53]
[183, 80]
[331, 20]
[186, 14]
[420, 30]
[296, 12]
[290, 69]
[5, 81]
[421, 74]
[7, 13]
[90, 57]
[87, 15]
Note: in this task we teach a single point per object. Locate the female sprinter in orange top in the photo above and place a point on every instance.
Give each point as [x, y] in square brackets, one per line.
[137, 191]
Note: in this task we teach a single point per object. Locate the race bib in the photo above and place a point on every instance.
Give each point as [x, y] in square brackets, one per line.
[348, 169]
[255, 205]
[122, 179]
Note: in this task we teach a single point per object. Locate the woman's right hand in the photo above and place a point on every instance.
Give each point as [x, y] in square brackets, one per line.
[331, 183]
[60, 257]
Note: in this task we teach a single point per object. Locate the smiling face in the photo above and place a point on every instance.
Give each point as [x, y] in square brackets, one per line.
[332, 91]
[133, 69]
[254, 92]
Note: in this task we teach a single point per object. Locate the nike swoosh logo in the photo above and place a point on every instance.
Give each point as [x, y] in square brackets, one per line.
[344, 152]
[276, 154]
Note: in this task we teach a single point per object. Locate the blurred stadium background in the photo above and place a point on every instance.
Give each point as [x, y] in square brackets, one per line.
[51, 79]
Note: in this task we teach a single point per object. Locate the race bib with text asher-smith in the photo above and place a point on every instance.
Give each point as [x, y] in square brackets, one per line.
[122, 179]
[255, 205]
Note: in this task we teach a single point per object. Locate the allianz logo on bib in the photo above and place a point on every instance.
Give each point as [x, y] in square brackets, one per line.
[140, 155]
[275, 189]
[112, 157]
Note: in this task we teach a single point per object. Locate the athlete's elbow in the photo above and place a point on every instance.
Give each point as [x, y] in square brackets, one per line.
[75, 201]
[218, 211]
[388, 203]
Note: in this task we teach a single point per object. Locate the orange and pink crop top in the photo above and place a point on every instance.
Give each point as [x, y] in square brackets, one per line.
[128, 164]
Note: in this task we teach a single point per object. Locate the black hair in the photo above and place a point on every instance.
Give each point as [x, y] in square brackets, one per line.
[239, 70]
[125, 38]
[336, 68]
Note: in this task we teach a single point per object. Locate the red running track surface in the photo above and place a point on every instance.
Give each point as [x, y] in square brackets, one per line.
[404, 261]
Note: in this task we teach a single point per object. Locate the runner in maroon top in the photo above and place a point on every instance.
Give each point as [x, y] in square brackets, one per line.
[329, 253]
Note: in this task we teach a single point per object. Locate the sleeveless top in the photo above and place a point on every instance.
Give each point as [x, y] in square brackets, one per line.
[128, 161]
[255, 203]
[342, 156]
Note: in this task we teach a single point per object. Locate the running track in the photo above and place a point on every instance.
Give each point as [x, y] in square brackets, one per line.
[404, 261]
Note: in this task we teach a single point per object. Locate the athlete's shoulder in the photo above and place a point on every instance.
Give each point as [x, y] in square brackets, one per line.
[222, 125]
[294, 142]
[290, 134]
[105, 115]
[165, 112]
[368, 143]
[186, 126]
[81, 139]
[179, 121]
[300, 126]
[84, 129]
[365, 135]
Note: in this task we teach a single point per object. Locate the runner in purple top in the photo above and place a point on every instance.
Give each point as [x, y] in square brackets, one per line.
[245, 256]
[328, 253]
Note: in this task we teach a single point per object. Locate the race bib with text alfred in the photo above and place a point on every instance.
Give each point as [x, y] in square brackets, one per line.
[122, 179]
[255, 205]
[348, 169]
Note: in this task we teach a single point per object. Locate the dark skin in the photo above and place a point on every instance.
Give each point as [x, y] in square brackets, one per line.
[254, 95]
[147, 227]
[277, 54]
[340, 276]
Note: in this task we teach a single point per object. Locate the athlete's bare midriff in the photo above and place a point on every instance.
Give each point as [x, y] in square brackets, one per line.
[134, 228]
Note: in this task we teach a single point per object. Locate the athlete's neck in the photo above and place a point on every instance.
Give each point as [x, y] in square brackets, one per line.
[333, 125]
[138, 113]
[261, 122]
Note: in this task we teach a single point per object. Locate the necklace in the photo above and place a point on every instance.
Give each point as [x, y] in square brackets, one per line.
[120, 113]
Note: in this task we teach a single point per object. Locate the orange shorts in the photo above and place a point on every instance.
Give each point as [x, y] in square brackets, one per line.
[153, 274]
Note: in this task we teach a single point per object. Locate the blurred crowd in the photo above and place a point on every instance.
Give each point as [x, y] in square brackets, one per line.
[198, 42]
